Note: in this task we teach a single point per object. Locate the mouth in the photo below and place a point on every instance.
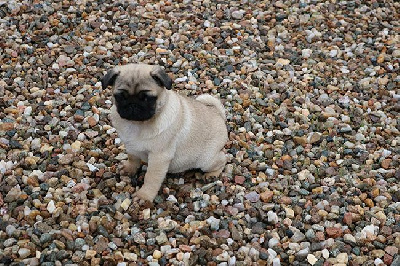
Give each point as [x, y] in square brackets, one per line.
[138, 107]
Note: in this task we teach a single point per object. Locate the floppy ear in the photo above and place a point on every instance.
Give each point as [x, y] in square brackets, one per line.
[109, 78]
[162, 78]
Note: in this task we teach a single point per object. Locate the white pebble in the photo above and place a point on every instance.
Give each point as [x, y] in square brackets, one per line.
[272, 217]
[276, 262]
[63, 134]
[311, 259]
[272, 253]
[333, 53]
[325, 253]
[91, 167]
[213, 222]
[273, 242]
[28, 111]
[51, 207]
[306, 53]
[172, 198]
[146, 214]
[232, 261]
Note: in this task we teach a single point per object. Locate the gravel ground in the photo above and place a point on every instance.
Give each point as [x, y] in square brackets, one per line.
[312, 95]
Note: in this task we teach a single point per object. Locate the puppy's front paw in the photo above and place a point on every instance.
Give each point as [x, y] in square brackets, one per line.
[143, 195]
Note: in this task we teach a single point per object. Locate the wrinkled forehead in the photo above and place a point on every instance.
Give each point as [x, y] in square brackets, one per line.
[134, 74]
[135, 78]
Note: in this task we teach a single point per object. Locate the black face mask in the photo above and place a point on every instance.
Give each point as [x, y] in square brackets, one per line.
[138, 107]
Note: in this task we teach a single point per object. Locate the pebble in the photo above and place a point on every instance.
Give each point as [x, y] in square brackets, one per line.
[157, 254]
[272, 217]
[213, 222]
[289, 213]
[51, 207]
[24, 253]
[266, 196]
[311, 259]
[253, 196]
[161, 238]
[348, 238]
[237, 14]
[334, 232]
[276, 262]
[298, 236]
[146, 213]
[130, 256]
[325, 253]
[125, 204]
[342, 258]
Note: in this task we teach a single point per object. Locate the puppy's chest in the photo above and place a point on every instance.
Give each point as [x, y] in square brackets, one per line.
[134, 139]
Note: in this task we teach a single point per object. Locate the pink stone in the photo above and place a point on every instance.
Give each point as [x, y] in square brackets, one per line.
[239, 179]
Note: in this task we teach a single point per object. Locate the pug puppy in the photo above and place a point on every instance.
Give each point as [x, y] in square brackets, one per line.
[170, 132]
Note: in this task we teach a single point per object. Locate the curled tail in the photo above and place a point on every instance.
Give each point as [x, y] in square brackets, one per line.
[212, 101]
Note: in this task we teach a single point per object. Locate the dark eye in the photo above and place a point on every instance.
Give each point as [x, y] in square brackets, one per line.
[122, 94]
[142, 95]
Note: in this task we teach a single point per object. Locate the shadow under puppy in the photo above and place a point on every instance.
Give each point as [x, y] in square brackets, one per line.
[171, 132]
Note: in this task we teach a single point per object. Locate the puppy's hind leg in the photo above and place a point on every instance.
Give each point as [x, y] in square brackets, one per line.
[130, 166]
[217, 166]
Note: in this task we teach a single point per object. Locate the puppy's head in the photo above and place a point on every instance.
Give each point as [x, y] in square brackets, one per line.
[137, 89]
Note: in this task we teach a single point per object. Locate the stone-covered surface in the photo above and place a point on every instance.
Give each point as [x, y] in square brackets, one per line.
[311, 91]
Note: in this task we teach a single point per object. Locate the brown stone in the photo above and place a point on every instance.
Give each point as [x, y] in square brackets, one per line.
[78, 118]
[6, 126]
[285, 200]
[300, 140]
[391, 250]
[67, 234]
[375, 192]
[386, 163]
[314, 137]
[90, 254]
[219, 14]
[317, 190]
[262, 262]
[320, 236]
[23, 197]
[386, 230]
[381, 58]
[334, 232]
[101, 245]
[11, 110]
[239, 179]
[92, 122]
[217, 252]
[267, 196]
[369, 203]
[185, 248]
[95, 261]
[348, 218]
[222, 233]
[33, 181]
[279, 163]
[387, 259]
[378, 253]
